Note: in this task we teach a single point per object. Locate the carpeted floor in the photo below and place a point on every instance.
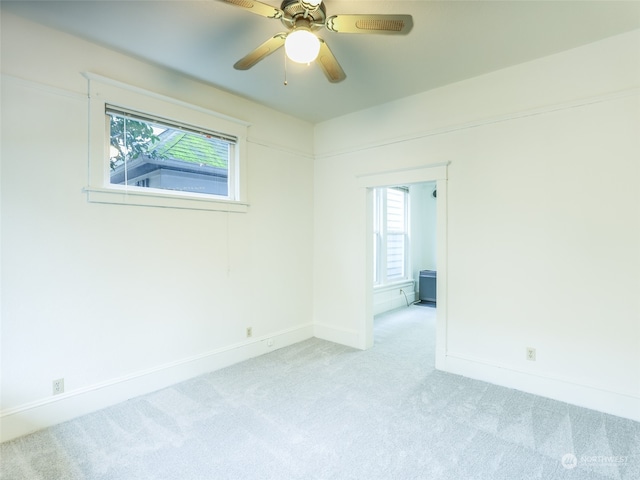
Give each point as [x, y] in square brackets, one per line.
[317, 410]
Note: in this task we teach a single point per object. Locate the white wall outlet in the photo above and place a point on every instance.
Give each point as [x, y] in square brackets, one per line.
[58, 386]
[531, 354]
[249, 332]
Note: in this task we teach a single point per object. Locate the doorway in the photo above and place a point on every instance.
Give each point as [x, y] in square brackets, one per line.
[435, 174]
[404, 246]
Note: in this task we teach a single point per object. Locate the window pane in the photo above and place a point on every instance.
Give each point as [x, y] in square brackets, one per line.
[395, 255]
[376, 257]
[153, 155]
[395, 210]
[390, 234]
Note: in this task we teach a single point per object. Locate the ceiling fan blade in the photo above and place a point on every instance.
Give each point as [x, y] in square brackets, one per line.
[329, 64]
[387, 24]
[258, 8]
[264, 50]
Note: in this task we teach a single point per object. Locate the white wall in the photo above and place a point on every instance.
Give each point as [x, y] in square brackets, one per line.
[423, 229]
[121, 300]
[543, 220]
[543, 230]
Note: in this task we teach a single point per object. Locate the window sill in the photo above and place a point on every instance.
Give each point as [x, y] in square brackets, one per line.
[153, 199]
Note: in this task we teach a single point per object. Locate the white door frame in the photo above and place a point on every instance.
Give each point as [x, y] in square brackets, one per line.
[407, 176]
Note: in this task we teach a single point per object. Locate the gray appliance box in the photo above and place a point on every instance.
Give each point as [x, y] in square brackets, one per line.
[428, 279]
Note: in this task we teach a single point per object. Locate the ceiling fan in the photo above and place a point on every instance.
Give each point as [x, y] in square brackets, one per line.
[303, 18]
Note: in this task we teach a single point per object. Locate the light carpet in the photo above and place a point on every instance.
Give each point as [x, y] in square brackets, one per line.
[317, 410]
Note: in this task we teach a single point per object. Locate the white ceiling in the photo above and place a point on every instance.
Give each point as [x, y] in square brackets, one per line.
[450, 41]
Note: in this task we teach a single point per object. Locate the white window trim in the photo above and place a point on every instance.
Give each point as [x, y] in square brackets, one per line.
[103, 91]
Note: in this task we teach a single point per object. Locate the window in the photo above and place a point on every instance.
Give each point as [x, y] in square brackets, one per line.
[152, 150]
[390, 234]
[154, 153]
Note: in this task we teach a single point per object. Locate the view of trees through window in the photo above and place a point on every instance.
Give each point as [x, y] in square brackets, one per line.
[152, 154]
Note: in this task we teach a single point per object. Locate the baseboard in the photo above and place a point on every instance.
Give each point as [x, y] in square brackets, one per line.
[388, 304]
[564, 390]
[390, 297]
[18, 421]
[343, 336]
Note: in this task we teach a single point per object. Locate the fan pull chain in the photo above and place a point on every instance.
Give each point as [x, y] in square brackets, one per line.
[285, 70]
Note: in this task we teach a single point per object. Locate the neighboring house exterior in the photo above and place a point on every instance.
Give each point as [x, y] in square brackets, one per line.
[179, 161]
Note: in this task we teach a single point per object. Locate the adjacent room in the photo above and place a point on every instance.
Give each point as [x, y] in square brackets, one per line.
[414, 255]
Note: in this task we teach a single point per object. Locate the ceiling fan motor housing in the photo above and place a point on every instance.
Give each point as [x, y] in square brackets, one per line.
[302, 18]
[294, 12]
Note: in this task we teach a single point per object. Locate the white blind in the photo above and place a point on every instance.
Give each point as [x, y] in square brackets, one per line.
[124, 112]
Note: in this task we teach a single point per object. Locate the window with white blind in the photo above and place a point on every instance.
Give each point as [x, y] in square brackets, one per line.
[154, 153]
[147, 149]
[391, 234]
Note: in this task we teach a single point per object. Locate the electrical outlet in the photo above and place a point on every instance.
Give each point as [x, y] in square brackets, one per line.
[249, 332]
[531, 354]
[58, 386]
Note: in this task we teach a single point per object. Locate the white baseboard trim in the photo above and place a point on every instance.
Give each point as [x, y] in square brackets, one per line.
[564, 390]
[24, 419]
[392, 296]
[343, 336]
[387, 304]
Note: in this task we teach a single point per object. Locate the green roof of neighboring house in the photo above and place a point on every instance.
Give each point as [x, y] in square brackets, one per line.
[189, 147]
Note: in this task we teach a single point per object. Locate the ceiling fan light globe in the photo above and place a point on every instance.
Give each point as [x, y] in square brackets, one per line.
[310, 4]
[302, 46]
